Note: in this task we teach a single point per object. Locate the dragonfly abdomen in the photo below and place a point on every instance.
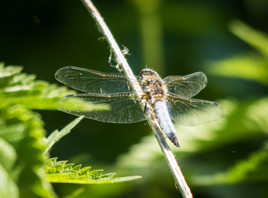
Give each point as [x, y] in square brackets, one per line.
[162, 114]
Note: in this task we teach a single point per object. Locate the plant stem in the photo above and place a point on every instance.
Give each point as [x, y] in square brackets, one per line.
[121, 60]
[172, 162]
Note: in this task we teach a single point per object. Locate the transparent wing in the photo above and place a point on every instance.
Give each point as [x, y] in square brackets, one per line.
[186, 86]
[191, 112]
[91, 81]
[122, 107]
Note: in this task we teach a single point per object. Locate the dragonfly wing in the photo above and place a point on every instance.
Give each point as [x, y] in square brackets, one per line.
[186, 86]
[92, 81]
[119, 108]
[191, 112]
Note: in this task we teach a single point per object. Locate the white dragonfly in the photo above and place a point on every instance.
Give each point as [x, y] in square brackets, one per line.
[168, 99]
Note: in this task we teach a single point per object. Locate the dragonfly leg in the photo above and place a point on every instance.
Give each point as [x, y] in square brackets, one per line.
[145, 108]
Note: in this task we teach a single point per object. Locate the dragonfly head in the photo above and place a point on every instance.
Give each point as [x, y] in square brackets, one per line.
[146, 75]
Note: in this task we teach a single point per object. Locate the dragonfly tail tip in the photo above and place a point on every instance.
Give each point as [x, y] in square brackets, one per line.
[174, 140]
[176, 143]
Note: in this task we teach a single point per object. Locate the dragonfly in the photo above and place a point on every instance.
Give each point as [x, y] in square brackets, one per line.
[169, 100]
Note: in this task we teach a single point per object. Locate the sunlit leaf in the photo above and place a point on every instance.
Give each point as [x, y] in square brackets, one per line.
[24, 89]
[251, 67]
[7, 160]
[247, 66]
[8, 186]
[255, 38]
[64, 172]
[21, 135]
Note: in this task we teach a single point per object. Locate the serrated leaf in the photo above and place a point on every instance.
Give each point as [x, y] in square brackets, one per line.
[25, 146]
[64, 172]
[24, 89]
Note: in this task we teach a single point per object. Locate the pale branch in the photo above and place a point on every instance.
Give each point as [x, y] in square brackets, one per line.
[121, 61]
[120, 58]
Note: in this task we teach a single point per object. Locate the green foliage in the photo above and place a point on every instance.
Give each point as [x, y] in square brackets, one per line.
[21, 134]
[230, 151]
[64, 172]
[253, 168]
[22, 160]
[8, 156]
[20, 88]
[251, 67]
[247, 66]
[253, 37]
[25, 170]
[208, 152]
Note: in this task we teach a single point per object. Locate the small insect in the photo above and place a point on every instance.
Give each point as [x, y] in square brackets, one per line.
[169, 99]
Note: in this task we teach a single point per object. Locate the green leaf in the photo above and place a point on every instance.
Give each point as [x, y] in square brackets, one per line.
[64, 172]
[21, 133]
[24, 89]
[57, 135]
[7, 160]
[7, 154]
[8, 186]
[247, 66]
[8, 71]
[77, 104]
[253, 37]
[22, 160]
[254, 168]
[251, 67]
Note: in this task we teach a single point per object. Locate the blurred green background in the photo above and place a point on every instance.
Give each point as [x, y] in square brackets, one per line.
[174, 38]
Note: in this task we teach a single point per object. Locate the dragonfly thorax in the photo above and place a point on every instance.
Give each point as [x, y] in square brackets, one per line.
[152, 85]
